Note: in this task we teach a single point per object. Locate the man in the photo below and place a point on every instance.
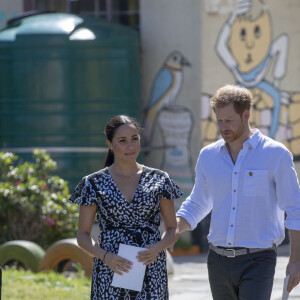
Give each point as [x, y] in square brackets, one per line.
[247, 180]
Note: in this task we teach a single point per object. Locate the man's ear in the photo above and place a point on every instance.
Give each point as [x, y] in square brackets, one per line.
[246, 115]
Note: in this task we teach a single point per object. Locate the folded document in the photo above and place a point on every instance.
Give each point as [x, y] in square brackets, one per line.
[133, 280]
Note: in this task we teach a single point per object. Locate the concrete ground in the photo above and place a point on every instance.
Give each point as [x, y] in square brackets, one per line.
[189, 280]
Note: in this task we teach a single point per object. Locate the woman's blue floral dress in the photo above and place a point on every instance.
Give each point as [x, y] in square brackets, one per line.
[134, 223]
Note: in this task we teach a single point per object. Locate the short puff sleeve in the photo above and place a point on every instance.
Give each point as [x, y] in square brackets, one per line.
[170, 189]
[84, 193]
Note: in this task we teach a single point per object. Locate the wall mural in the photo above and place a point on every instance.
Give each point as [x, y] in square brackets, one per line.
[175, 121]
[247, 48]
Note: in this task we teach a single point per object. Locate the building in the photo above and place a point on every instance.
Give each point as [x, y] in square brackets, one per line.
[189, 48]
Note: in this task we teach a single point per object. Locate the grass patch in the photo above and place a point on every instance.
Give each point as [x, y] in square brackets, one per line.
[26, 285]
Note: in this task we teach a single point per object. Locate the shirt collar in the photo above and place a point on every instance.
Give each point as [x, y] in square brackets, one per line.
[254, 138]
[251, 142]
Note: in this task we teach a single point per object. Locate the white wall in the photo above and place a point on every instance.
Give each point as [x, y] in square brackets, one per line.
[167, 26]
[9, 9]
[192, 27]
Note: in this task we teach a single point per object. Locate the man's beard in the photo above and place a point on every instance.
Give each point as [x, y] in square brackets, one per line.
[235, 135]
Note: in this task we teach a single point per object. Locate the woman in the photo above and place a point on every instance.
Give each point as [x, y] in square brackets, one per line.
[129, 199]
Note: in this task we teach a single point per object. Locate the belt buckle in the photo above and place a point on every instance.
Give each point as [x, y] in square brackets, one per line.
[233, 253]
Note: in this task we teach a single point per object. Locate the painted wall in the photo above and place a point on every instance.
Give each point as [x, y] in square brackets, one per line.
[171, 77]
[9, 9]
[190, 49]
[254, 45]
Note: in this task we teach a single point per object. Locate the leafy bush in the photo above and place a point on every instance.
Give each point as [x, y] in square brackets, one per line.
[34, 204]
[183, 244]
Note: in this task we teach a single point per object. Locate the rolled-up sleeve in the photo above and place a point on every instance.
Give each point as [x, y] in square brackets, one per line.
[199, 203]
[288, 191]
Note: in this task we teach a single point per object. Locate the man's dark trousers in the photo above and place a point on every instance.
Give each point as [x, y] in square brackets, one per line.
[244, 277]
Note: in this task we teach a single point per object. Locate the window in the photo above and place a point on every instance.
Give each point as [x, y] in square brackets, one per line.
[125, 12]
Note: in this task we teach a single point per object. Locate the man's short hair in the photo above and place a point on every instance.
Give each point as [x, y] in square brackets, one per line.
[240, 97]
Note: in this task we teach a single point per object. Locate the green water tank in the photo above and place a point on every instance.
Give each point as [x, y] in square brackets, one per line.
[62, 77]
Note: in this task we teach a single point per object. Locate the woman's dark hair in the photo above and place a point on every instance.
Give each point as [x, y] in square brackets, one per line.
[110, 129]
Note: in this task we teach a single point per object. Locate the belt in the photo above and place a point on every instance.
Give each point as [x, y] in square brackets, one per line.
[136, 229]
[237, 252]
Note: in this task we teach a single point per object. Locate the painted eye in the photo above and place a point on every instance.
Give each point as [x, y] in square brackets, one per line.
[243, 34]
[175, 58]
[257, 31]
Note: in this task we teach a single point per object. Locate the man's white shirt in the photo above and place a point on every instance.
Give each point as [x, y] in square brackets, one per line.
[247, 199]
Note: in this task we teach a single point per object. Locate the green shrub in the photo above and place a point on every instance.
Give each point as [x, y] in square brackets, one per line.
[34, 203]
[182, 244]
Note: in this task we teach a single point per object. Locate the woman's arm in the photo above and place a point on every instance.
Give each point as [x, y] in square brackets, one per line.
[167, 211]
[85, 241]
[85, 224]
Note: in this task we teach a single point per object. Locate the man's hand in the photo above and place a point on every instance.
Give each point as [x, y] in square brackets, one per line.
[182, 225]
[293, 269]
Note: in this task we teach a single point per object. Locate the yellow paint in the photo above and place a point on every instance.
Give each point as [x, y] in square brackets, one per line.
[250, 41]
[294, 115]
[284, 114]
[261, 99]
[209, 130]
[295, 146]
[254, 119]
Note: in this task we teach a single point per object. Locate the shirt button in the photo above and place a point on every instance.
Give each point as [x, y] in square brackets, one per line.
[235, 173]
[234, 190]
[233, 208]
[231, 225]
[229, 244]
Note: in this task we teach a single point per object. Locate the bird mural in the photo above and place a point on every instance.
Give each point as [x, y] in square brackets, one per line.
[164, 91]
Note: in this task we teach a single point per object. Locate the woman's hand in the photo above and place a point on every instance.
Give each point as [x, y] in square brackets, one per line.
[117, 263]
[148, 256]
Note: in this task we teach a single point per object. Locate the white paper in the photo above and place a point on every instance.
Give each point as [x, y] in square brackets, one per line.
[133, 280]
[285, 294]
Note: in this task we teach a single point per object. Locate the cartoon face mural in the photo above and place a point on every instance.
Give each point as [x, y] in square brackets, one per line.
[246, 47]
[250, 41]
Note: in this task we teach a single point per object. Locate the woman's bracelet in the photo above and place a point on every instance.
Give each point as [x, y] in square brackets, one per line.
[104, 256]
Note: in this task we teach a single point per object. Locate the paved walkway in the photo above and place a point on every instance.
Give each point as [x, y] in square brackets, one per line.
[190, 280]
